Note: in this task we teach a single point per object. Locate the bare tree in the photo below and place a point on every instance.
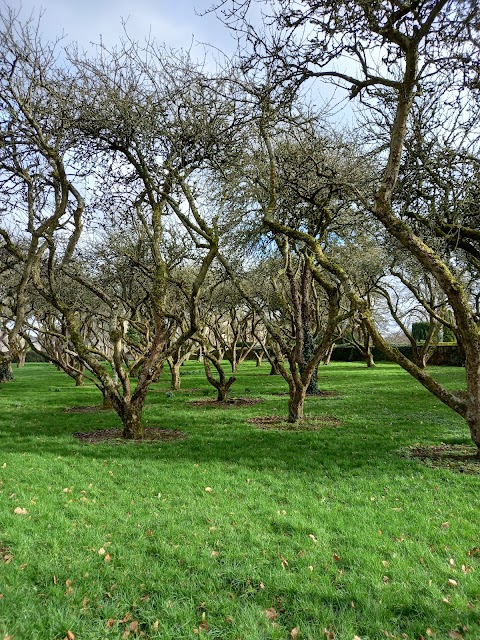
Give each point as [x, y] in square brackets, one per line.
[400, 49]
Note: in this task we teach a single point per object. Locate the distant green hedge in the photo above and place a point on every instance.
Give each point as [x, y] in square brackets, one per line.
[445, 355]
[32, 356]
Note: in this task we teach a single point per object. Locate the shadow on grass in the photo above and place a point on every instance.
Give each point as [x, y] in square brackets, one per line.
[370, 436]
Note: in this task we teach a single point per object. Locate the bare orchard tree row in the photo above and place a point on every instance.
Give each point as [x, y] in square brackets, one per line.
[134, 184]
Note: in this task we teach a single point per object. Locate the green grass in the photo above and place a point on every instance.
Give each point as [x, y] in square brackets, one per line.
[332, 529]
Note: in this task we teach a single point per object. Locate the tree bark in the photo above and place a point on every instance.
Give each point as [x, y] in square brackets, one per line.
[370, 360]
[6, 373]
[132, 422]
[175, 376]
[296, 404]
[22, 355]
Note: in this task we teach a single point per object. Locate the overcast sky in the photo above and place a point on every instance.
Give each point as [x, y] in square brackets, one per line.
[178, 23]
[181, 24]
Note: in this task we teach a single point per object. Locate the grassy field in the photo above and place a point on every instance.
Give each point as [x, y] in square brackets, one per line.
[236, 532]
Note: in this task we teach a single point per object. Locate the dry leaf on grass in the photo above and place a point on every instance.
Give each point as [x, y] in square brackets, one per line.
[295, 633]
[271, 614]
[20, 511]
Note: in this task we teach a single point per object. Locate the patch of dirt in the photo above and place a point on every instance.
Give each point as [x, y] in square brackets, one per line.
[309, 423]
[460, 458]
[114, 436]
[228, 404]
[96, 409]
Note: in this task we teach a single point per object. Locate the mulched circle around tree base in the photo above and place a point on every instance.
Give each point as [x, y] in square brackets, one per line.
[227, 404]
[309, 423]
[96, 409]
[153, 435]
[460, 458]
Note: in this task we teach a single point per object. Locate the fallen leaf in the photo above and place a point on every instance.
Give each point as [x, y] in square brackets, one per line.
[203, 626]
[70, 635]
[336, 557]
[356, 638]
[55, 581]
[20, 511]
[429, 632]
[68, 583]
[126, 618]
[271, 614]
[261, 585]
[329, 635]
[110, 623]
[445, 525]
[101, 552]
[451, 562]
[133, 626]
[446, 600]
[155, 625]
[107, 558]
[455, 635]
[313, 538]
[386, 579]
[208, 489]
[214, 554]
[295, 632]
[22, 566]
[452, 583]
[126, 633]
[474, 552]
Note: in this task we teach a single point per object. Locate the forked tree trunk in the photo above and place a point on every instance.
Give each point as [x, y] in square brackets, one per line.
[328, 356]
[222, 385]
[258, 358]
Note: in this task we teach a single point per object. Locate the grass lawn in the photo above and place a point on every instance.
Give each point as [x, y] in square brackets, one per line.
[237, 532]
